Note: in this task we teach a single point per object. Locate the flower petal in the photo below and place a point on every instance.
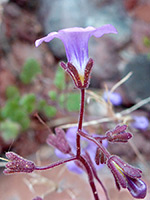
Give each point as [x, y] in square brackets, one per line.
[75, 41]
[137, 188]
[47, 38]
[108, 28]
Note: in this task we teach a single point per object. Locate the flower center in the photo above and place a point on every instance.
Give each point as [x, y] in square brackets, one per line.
[82, 79]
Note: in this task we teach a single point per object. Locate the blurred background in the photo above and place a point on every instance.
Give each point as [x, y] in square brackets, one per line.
[33, 86]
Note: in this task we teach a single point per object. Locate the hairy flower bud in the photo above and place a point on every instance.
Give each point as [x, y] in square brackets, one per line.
[18, 164]
[118, 134]
[100, 158]
[59, 141]
[127, 176]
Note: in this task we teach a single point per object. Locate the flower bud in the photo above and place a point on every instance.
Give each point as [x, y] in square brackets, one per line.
[59, 141]
[18, 164]
[100, 158]
[127, 176]
[119, 134]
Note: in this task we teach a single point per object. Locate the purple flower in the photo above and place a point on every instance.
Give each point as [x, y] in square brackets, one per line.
[114, 97]
[127, 176]
[75, 41]
[87, 146]
[18, 164]
[140, 122]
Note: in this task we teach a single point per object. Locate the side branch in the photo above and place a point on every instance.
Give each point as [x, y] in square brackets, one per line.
[56, 164]
[106, 153]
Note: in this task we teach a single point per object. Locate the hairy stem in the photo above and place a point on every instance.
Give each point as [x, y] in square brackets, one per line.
[80, 122]
[56, 164]
[102, 148]
[78, 146]
[103, 187]
[90, 176]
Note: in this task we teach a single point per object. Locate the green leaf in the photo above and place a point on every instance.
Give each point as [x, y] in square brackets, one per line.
[59, 80]
[53, 95]
[30, 69]
[10, 130]
[41, 104]
[15, 112]
[73, 102]
[12, 92]
[28, 102]
[61, 100]
[146, 41]
[10, 108]
[49, 111]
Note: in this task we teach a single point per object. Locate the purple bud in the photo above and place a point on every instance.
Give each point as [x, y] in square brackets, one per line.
[140, 122]
[100, 158]
[18, 164]
[137, 188]
[59, 141]
[117, 172]
[118, 134]
[127, 176]
[129, 170]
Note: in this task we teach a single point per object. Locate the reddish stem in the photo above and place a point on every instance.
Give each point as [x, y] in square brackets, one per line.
[78, 145]
[102, 148]
[90, 176]
[60, 162]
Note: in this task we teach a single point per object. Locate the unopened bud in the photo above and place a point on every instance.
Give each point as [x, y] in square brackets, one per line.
[18, 164]
[100, 158]
[119, 134]
[59, 141]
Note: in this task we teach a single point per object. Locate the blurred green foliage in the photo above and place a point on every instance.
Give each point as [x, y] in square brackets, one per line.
[73, 102]
[59, 80]
[15, 115]
[53, 95]
[146, 41]
[10, 130]
[49, 111]
[12, 92]
[29, 71]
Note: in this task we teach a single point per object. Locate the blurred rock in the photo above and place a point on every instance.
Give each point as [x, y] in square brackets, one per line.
[140, 30]
[6, 79]
[137, 86]
[20, 24]
[106, 59]
[113, 13]
[30, 5]
[130, 4]
[142, 12]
